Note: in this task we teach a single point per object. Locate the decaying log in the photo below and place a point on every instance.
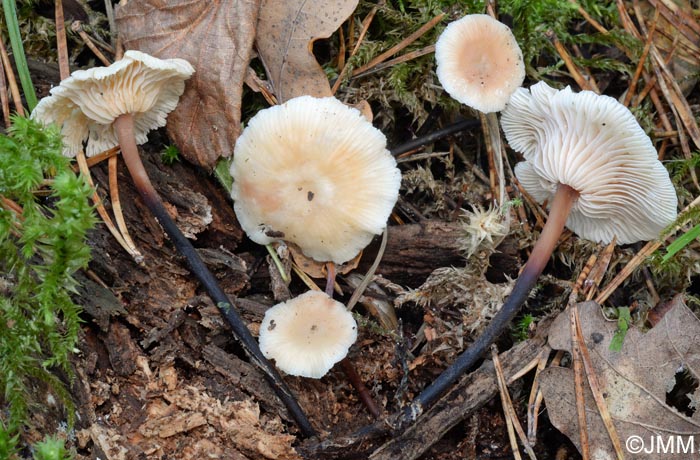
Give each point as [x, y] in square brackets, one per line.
[413, 251]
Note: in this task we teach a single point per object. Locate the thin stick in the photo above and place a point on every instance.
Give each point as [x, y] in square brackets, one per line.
[397, 60]
[61, 41]
[362, 391]
[584, 82]
[365, 27]
[77, 26]
[11, 80]
[99, 206]
[507, 403]
[578, 382]
[401, 45]
[431, 138]
[535, 398]
[596, 388]
[370, 273]
[4, 96]
[638, 258]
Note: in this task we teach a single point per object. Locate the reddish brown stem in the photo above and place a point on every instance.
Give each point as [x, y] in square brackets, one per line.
[564, 199]
[362, 390]
[124, 127]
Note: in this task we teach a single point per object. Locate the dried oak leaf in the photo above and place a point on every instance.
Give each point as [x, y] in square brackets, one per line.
[284, 40]
[216, 37]
[634, 381]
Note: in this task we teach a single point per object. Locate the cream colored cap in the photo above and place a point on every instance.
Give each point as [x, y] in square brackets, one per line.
[315, 172]
[479, 63]
[307, 335]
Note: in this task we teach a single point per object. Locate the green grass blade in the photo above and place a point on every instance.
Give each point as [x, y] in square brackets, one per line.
[10, 8]
[681, 242]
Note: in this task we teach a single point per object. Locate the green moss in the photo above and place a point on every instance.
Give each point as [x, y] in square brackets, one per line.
[41, 247]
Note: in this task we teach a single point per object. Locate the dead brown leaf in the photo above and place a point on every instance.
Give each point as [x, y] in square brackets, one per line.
[216, 37]
[286, 32]
[634, 382]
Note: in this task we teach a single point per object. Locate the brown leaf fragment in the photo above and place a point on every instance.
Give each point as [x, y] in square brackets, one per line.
[284, 40]
[635, 383]
[216, 37]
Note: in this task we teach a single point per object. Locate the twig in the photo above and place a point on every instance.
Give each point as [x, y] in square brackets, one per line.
[4, 96]
[584, 82]
[596, 25]
[434, 136]
[360, 289]
[401, 45]
[638, 258]
[99, 206]
[535, 398]
[11, 80]
[578, 381]
[360, 387]
[77, 26]
[397, 60]
[595, 387]
[512, 422]
[61, 41]
[365, 27]
[640, 65]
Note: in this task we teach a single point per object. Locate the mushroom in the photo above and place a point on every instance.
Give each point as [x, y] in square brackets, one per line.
[479, 63]
[119, 104]
[308, 334]
[589, 156]
[314, 172]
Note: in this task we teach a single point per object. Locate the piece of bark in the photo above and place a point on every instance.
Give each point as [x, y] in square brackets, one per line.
[121, 348]
[413, 251]
[469, 394]
[243, 375]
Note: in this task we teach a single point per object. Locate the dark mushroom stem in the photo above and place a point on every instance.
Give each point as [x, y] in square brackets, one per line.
[564, 199]
[345, 363]
[124, 127]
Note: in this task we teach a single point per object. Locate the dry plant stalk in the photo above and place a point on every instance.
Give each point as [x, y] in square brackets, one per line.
[512, 422]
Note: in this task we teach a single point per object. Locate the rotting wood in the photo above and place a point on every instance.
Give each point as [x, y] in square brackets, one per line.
[415, 250]
[469, 394]
[244, 375]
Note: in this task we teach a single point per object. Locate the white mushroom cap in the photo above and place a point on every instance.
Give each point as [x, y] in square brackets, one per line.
[595, 145]
[479, 63]
[86, 103]
[307, 335]
[315, 172]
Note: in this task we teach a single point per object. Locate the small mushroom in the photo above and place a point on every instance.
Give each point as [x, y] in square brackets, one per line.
[479, 63]
[315, 172]
[308, 334]
[119, 104]
[97, 103]
[589, 156]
